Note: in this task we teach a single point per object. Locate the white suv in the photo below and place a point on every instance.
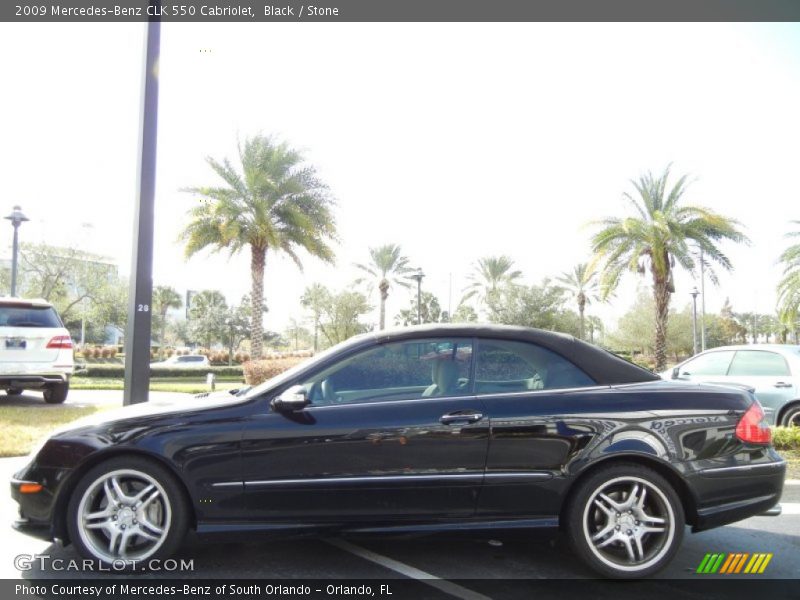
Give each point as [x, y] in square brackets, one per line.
[35, 349]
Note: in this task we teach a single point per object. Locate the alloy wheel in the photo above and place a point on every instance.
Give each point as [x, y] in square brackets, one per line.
[628, 523]
[124, 515]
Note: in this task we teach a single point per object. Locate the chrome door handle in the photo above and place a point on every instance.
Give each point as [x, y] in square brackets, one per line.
[783, 384]
[460, 417]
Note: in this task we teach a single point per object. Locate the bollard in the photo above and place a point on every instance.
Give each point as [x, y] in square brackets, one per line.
[211, 381]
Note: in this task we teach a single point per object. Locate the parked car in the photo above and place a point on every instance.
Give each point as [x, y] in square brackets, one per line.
[432, 428]
[772, 370]
[187, 361]
[35, 349]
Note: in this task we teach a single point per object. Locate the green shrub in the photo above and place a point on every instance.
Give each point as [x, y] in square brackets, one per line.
[786, 438]
[117, 371]
[258, 371]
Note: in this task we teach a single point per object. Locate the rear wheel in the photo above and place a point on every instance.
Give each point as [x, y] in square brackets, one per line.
[792, 417]
[56, 393]
[127, 509]
[625, 521]
[13, 392]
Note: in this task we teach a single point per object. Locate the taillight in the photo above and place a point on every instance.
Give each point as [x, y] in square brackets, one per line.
[752, 428]
[60, 341]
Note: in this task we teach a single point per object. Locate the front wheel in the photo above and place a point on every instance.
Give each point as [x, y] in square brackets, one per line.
[127, 510]
[56, 393]
[625, 521]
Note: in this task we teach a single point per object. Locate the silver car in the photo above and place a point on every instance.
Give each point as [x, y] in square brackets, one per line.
[773, 370]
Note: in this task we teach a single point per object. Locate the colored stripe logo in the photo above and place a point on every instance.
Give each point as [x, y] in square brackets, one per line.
[733, 563]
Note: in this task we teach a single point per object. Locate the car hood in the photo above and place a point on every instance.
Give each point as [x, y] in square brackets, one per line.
[192, 404]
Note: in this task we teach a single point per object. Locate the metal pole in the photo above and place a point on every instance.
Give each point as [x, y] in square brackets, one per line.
[694, 322]
[702, 301]
[138, 334]
[230, 346]
[14, 257]
[419, 301]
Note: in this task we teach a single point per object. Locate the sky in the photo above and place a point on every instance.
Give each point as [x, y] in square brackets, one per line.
[455, 141]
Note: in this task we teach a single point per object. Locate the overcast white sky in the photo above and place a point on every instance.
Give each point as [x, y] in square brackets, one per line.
[454, 140]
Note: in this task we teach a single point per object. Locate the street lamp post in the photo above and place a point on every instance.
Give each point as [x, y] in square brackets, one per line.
[16, 218]
[702, 300]
[694, 293]
[229, 323]
[418, 277]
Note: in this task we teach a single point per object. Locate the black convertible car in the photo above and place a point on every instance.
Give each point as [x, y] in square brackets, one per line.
[424, 429]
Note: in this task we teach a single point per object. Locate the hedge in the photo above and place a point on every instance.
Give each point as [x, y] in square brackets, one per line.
[258, 371]
[118, 371]
[786, 438]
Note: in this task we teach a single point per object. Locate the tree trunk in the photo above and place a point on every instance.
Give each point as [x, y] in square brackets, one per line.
[383, 287]
[661, 297]
[258, 258]
[581, 309]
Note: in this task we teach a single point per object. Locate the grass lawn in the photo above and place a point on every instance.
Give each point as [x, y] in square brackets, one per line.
[23, 426]
[157, 384]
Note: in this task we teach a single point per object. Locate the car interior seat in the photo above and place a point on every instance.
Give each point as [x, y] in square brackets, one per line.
[444, 374]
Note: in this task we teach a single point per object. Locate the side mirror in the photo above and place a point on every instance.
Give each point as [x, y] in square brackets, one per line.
[295, 398]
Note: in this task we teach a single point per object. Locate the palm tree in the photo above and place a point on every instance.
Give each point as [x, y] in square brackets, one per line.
[164, 298]
[389, 267]
[274, 203]
[789, 285]
[489, 274]
[581, 284]
[656, 237]
[314, 298]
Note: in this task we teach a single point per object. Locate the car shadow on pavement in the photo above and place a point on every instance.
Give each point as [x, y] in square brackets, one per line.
[518, 555]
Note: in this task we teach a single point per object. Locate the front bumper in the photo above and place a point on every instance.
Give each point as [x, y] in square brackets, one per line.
[37, 510]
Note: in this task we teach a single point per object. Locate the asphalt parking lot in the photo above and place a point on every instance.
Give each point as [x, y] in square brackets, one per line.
[443, 563]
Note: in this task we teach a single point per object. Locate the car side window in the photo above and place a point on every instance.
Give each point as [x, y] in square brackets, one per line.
[711, 364]
[506, 366]
[396, 371]
[758, 362]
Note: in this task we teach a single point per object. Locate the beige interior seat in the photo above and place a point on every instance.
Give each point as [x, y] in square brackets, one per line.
[444, 374]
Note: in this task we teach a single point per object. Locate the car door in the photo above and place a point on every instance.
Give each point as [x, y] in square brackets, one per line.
[536, 426]
[767, 372]
[392, 431]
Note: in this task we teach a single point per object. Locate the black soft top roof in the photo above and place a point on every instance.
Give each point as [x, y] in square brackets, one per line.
[602, 366]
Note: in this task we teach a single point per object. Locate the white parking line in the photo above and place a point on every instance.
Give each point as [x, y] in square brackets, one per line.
[448, 587]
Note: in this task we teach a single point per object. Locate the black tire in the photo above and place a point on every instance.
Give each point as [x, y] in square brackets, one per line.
[616, 536]
[791, 418]
[56, 393]
[13, 392]
[167, 511]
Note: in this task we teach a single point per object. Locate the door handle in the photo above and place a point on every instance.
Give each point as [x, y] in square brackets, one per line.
[783, 384]
[460, 417]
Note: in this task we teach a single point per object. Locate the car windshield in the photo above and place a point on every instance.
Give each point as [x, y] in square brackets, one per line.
[28, 316]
